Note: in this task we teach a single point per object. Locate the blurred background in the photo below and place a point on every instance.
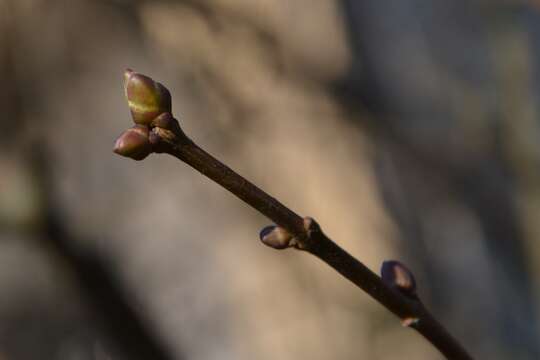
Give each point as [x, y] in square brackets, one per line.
[409, 129]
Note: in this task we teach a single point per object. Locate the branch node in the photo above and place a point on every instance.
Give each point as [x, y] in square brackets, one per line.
[307, 240]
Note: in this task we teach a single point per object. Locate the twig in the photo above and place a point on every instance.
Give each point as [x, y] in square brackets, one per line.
[161, 133]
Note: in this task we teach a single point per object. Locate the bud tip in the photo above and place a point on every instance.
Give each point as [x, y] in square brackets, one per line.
[127, 74]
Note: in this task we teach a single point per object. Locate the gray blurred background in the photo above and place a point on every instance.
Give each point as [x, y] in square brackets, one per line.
[409, 129]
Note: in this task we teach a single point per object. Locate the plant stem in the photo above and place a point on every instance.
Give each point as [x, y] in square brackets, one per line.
[313, 240]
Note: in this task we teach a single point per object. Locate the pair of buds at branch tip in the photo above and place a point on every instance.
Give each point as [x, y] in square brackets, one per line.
[150, 106]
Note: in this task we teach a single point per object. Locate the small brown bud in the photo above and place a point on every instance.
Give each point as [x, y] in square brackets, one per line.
[134, 143]
[164, 121]
[396, 275]
[146, 98]
[276, 237]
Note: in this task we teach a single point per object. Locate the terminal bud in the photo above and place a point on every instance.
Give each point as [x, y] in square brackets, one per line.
[146, 98]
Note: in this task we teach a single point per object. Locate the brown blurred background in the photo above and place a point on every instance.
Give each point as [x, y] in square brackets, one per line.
[409, 129]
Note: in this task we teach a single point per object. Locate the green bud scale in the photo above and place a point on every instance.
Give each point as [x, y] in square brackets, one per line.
[146, 98]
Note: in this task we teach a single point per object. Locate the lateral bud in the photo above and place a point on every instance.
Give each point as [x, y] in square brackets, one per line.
[146, 98]
[167, 122]
[164, 120]
[276, 237]
[398, 276]
[134, 143]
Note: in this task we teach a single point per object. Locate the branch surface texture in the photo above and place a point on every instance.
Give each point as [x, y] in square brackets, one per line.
[157, 131]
